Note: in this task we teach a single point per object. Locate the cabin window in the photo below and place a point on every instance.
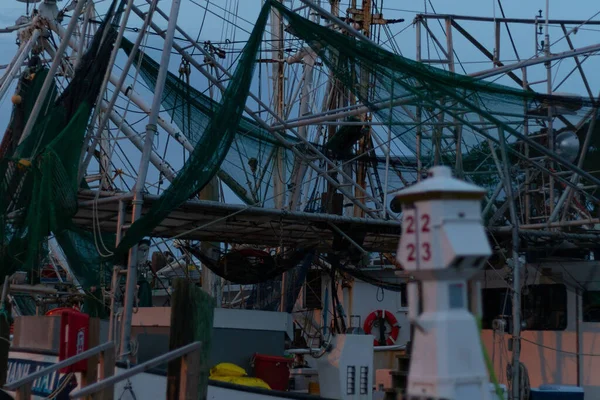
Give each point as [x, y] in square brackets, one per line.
[591, 306]
[495, 303]
[544, 307]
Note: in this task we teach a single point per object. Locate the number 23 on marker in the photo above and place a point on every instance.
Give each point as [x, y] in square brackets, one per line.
[411, 248]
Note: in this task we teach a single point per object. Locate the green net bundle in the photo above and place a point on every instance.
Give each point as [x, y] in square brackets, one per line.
[247, 166]
[431, 110]
[38, 195]
[211, 148]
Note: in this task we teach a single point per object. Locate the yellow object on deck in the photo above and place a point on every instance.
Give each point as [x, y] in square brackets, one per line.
[242, 380]
[227, 369]
[314, 388]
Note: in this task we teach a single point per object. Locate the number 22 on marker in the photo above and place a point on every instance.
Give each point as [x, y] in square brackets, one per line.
[425, 247]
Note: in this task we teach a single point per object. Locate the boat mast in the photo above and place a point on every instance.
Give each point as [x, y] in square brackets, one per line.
[363, 144]
[278, 101]
[138, 198]
[210, 281]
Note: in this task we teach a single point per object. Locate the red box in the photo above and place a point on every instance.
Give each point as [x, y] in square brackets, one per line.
[74, 332]
[273, 370]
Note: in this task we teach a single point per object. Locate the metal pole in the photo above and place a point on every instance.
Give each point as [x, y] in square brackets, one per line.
[534, 61]
[40, 373]
[15, 66]
[388, 150]
[419, 111]
[516, 299]
[526, 151]
[143, 172]
[111, 61]
[550, 130]
[116, 270]
[86, 19]
[279, 171]
[113, 287]
[119, 85]
[579, 335]
[365, 141]
[300, 170]
[575, 178]
[277, 75]
[53, 68]
[491, 200]
[339, 113]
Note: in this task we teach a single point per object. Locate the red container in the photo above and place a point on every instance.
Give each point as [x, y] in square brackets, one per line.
[74, 327]
[273, 370]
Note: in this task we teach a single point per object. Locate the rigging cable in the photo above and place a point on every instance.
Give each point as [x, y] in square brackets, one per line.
[508, 30]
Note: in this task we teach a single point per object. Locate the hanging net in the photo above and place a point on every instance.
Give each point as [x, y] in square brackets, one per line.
[247, 266]
[38, 194]
[211, 148]
[438, 114]
[266, 295]
[247, 166]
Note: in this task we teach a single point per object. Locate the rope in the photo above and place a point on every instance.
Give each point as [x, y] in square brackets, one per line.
[524, 384]
[61, 387]
[574, 353]
[105, 251]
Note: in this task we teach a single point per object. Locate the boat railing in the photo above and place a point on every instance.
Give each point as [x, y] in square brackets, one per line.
[23, 386]
[189, 373]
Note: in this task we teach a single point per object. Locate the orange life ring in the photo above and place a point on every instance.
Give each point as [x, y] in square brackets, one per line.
[387, 317]
[57, 311]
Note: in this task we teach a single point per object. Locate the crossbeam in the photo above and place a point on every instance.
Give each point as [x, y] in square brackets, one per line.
[509, 20]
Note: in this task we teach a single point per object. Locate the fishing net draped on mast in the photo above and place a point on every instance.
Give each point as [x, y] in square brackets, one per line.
[211, 148]
[245, 168]
[429, 109]
[38, 194]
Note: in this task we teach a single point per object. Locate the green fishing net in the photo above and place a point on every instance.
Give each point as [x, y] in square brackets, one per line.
[211, 148]
[38, 193]
[458, 115]
[248, 164]
[434, 112]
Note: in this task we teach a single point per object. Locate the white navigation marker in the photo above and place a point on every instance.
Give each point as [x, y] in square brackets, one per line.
[442, 246]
